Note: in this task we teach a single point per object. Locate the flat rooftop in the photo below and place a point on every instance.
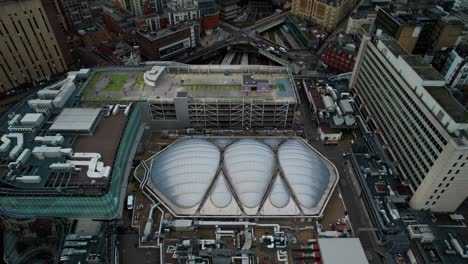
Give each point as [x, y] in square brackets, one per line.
[221, 82]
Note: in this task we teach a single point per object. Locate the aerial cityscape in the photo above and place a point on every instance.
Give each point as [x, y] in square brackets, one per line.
[233, 131]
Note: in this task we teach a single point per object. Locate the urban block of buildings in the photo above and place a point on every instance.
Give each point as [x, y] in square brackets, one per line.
[419, 34]
[418, 120]
[325, 13]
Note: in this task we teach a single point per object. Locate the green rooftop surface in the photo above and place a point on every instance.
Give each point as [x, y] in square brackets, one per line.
[116, 83]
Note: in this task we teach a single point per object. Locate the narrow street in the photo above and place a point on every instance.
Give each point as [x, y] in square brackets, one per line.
[356, 210]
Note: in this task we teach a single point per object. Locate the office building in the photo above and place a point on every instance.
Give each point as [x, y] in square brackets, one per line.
[77, 13]
[228, 9]
[169, 42]
[325, 13]
[136, 7]
[32, 44]
[209, 14]
[419, 34]
[179, 11]
[363, 16]
[455, 68]
[421, 124]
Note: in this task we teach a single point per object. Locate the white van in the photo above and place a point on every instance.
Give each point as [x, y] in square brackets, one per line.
[130, 201]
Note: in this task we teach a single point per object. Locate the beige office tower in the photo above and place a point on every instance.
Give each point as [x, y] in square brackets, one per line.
[327, 13]
[423, 127]
[31, 43]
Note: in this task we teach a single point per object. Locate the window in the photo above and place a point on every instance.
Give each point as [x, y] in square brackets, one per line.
[427, 202]
[458, 171]
[435, 191]
[460, 157]
[430, 197]
[447, 185]
[463, 164]
[451, 179]
[450, 171]
[445, 178]
[438, 196]
[442, 191]
[433, 203]
[455, 164]
[440, 185]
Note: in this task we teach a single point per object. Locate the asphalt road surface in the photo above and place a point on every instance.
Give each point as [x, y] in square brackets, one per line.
[347, 184]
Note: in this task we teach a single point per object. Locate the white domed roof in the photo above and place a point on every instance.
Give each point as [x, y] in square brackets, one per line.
[279, 195]
[184, 171]
[221, 195]
[249, 165]
[305, 171]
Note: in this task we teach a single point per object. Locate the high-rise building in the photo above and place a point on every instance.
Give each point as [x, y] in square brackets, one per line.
[133, 6]
[77, 13]
[422, 126]
[417, 33]
[32, 44]
[326, 13]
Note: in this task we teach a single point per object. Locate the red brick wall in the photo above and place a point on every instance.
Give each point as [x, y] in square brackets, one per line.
[338, 61]
[211, 22]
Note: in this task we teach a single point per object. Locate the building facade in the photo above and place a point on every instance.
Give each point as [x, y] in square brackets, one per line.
[164, 44]
[339, 59]
[228, 9]
[405, 101]
[455, 69]
[77, 13]
[133, 6]
[179, 11]
[364, 15]
[32, 45]
[419, 34]
[325, 13]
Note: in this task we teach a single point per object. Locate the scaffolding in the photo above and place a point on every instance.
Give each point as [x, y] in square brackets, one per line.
[244, 113]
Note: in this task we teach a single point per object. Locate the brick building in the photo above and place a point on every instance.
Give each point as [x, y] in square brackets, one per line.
[165, 44]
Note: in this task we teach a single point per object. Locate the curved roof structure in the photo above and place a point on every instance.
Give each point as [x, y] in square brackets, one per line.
[249, 164]
[184, 172]
[221, 195]
[306, 172]
[279, 195]
[257, 176]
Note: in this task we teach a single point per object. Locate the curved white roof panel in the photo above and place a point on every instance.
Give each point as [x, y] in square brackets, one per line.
[250, 165]
[253, 177]
[185, 170]
[304, 170]
[221, 195]
[279, 195]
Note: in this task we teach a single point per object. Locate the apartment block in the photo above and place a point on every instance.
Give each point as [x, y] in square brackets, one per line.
[422, 126]
[77, 13]
[325, 13]
[32, 44]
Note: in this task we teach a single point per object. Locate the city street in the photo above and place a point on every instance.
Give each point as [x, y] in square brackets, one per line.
[356, 211]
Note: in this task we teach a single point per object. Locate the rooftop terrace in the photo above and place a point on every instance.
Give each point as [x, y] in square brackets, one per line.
[201, 81]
